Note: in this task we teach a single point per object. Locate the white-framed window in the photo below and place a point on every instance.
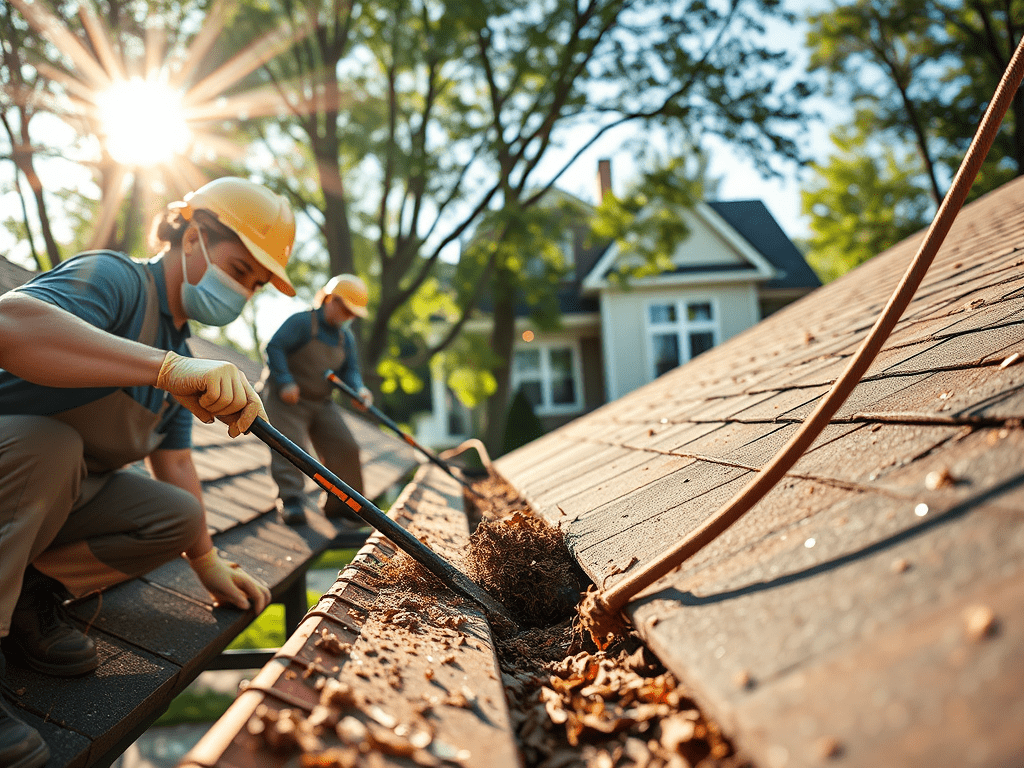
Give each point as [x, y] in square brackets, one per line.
[549, 376]
[680, 330]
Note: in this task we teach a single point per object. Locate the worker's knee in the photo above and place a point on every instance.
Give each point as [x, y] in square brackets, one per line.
[186, 521]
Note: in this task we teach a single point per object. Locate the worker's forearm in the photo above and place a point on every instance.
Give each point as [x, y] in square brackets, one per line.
[42, 343]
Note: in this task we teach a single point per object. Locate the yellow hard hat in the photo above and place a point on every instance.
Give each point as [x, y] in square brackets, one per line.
[352, 292]
[262, 219]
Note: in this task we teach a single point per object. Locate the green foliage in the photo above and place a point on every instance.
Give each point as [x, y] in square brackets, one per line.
[195, 705]
[919, 75]
[395, 376]
[521, 425]
[266, 631]
[861, 204]
[468, 365]
[333, 559]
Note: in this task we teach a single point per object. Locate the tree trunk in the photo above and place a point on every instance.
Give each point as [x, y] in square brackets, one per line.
[23, 162]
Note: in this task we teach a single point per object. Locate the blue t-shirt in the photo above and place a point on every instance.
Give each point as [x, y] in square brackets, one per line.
[106, 290]
[295, 332]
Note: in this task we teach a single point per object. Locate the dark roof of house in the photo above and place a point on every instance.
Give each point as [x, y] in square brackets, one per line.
[757, 225]
[872, 604]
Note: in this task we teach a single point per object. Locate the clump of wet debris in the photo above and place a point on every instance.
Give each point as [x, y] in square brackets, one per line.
[523, 562]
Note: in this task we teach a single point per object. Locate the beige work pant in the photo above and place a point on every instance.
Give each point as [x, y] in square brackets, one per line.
[87, 531]
[320, 424]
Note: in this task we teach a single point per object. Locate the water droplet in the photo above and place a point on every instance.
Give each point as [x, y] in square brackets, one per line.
[921, 509]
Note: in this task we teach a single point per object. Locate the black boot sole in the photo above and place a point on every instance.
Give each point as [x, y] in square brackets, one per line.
[76, 669]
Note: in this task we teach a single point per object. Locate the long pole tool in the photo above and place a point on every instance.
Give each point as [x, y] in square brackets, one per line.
[453, 578]
[384, 419]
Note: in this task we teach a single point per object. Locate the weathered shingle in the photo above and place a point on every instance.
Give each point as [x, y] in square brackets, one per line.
[846, 594]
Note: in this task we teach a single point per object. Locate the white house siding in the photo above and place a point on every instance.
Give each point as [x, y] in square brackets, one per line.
[702, 243]
[627, 354]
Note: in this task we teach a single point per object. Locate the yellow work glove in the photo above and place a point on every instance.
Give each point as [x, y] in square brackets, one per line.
[211, 388]
[226, 580]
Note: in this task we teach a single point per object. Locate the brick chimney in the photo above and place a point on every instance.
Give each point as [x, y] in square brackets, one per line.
[604, 178]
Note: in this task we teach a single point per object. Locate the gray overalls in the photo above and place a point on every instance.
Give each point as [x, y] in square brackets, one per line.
[67, 506]
[314, 419]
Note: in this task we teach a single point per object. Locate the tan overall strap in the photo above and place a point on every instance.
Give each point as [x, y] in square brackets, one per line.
[116, 429]
[309, 362]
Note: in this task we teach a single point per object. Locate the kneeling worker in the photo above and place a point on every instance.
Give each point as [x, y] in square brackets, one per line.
[95, 371]
[298, 397]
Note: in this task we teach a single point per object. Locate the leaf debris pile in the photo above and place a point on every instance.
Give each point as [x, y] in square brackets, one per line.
[523, 562]
[573, 706]
[616, 708]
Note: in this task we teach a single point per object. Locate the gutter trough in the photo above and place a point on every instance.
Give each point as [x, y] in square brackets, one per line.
[378, 672]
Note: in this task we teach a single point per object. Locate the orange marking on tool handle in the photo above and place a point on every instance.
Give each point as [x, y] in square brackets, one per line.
[328, 486]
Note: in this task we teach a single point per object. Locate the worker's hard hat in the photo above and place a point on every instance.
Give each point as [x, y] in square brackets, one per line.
[262, 219]
[352, 292]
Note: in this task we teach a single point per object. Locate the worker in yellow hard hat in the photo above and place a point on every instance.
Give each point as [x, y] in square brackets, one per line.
[96, 375]
[298, 397]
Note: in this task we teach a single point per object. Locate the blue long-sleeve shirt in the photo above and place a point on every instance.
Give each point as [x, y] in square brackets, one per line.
[296, 332]
[108, 291]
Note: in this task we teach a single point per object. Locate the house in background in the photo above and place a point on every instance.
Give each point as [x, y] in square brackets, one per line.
[735, 268]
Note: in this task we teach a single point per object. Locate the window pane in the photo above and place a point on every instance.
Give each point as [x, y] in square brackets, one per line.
[663, 313]
[699, 311]
[561, 363]
[532, 391]
[563, 391]
[701, 342]
[526, 362]
[666, 352]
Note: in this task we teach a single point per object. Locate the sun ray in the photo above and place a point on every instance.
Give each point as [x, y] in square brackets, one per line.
[113, 196]
[241, 64]
[187, 63]
[156, 46]
[184, 176]
[54, 29]
[220, 146]
[99, 36]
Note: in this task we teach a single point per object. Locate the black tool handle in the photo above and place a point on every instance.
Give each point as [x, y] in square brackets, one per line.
[368, 511]
[384, 419]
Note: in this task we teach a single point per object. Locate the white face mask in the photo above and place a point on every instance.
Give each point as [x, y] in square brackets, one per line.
[217, 298]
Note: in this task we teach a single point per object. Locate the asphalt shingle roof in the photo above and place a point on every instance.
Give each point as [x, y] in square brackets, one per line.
[872, 605]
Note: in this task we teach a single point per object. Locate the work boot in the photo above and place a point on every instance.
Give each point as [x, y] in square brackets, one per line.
[42, 632]
[21, 746]
[292, 511]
